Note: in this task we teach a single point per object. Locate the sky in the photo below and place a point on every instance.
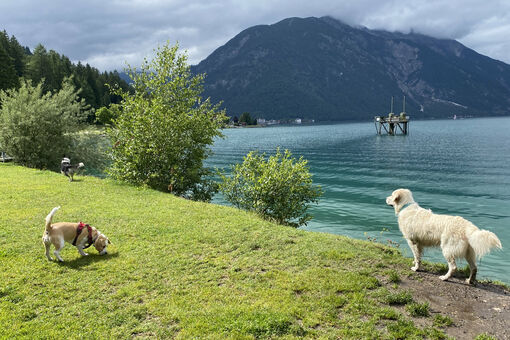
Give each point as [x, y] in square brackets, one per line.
[110, 34]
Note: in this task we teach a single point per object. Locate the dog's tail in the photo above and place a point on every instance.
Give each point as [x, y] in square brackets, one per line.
[482, 241]
[50, 217]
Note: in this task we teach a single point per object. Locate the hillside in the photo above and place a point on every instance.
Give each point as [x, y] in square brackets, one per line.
[320, 68]
[193, 270]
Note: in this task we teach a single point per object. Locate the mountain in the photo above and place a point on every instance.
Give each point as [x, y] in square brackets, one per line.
[323, 69]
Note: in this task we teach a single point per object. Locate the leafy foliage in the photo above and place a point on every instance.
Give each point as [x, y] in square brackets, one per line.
[106, 115]
[35, 126]
[8, 78]
[51, 68]
[279, 188]
[164, 130]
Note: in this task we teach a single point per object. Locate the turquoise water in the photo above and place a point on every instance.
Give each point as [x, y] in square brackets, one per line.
[457, 167]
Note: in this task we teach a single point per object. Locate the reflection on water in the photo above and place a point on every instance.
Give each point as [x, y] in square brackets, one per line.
[458, 167]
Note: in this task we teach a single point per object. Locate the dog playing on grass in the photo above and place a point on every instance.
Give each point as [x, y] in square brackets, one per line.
[66, 168]
[457, 237]
[79, 235]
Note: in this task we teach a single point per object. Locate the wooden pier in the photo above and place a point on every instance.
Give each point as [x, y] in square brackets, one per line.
[392, 123]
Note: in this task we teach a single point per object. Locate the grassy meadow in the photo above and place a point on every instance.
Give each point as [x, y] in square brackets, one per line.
[182, 269]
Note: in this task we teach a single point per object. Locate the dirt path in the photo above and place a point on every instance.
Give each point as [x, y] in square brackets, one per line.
[483, 308]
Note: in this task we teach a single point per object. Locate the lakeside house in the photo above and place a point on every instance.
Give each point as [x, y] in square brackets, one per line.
[261, 121]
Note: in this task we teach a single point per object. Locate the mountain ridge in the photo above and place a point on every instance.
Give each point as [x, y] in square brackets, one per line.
[324, 69]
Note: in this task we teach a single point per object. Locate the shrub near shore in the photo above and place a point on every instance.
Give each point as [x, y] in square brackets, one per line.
[184, 269]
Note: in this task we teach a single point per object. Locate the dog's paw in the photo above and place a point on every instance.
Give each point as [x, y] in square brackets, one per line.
[415, 268]
[444, 278]
[470, 282]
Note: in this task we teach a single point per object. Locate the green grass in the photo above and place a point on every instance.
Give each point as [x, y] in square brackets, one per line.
[418, 309]
[442, 321]
[485, 336]
[394, 277]
[182, 269]
[399, 298]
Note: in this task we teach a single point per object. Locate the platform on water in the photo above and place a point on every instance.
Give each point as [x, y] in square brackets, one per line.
[392, 123]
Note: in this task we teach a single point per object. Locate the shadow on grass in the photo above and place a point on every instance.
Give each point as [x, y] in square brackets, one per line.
[84, 261]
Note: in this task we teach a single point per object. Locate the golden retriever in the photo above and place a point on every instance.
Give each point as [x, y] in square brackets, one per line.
[457, 237]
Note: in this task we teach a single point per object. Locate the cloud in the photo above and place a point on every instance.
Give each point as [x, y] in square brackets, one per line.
[107, 34]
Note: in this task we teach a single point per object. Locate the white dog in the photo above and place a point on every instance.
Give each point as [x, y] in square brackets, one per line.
[457, 237]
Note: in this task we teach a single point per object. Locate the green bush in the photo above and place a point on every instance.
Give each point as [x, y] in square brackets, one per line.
[163, 132]
[279, 188]
[35, 127]
[106, 115]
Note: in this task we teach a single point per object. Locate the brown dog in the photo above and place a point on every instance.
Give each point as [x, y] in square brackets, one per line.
[78, 234]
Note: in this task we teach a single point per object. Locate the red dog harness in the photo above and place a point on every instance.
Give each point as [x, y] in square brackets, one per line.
[80, 227]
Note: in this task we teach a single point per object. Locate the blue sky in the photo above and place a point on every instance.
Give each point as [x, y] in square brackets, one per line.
[110, 33]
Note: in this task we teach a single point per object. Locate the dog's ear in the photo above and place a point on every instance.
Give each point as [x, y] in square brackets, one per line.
[397, 198]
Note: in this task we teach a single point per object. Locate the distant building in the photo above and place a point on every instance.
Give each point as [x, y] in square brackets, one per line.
[261, 121]
[298, 121]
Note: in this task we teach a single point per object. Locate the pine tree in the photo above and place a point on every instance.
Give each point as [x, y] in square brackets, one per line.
[53, 68]
[38, 66]
[8, 77]
[17, 53]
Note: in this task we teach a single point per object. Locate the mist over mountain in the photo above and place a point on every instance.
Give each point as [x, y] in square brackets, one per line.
[323, 69]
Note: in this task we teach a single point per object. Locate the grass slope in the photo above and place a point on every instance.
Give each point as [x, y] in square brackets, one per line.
[184, 269]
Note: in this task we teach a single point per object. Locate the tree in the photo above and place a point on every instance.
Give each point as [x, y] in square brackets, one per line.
[246, 118]
[279, 188]
[17, 53]
[51, 68]
[8, 77]
[106, 116]
[35, 126]
[39, 68]
[164, 129]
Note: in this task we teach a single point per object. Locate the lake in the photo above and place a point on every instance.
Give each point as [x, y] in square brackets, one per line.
[457, 167]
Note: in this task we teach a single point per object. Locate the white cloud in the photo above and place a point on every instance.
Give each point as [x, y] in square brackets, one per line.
[107, 34]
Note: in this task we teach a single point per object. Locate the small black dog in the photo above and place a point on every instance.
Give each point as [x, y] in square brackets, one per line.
[69, 170]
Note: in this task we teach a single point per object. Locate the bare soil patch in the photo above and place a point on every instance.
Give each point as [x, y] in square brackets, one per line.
[474, 309]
